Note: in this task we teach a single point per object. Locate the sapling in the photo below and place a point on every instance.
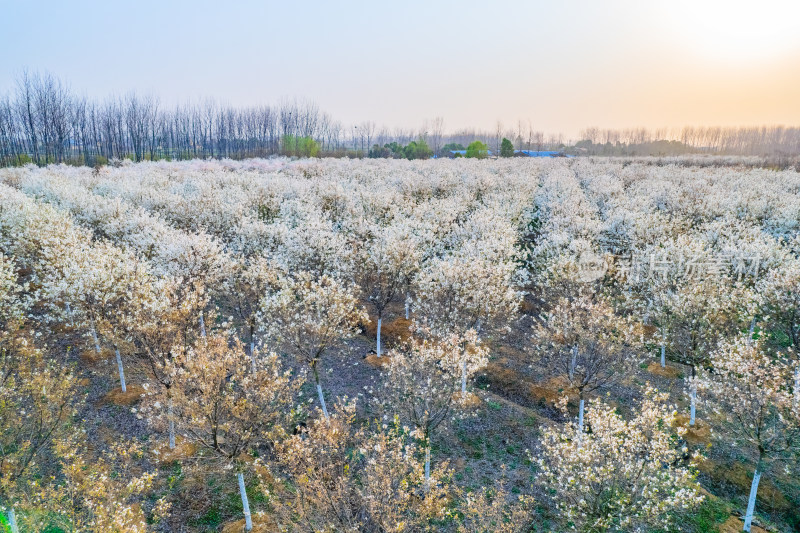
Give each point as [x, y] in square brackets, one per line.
[460, 293]
[308, 316]
[749, 394]
[624, 475]
[702, 312]
[424, 381]
[587, 342]
[385, 263]
[226, 408]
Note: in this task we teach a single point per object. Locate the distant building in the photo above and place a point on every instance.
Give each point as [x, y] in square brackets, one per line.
[463, 153]
[517, 153]
[541, 153]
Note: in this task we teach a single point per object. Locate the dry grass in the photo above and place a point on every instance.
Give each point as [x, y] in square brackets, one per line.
[505, 380]
[183, 450]
[509, 353]
[468, 400]
[508, 382]
[553, 389]
[262, 523]
[115, 396]
[669, 372]
[734, 525]
[90, 356]
[393, 332]
[740, 476]
[377, 362]
[528, 307]
[699, 434]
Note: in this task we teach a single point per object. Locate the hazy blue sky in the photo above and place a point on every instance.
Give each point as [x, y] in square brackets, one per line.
[562, 65]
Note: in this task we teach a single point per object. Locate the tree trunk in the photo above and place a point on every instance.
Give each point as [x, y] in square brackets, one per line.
[752, 330]
[322, 402]
[96, 341]
[121, 371]
[796, 392]
[248, 522]
[253, 347]
[408, 304]
[663, 356]
[202, 325]
[751, 503]
[428, 467]
[171, 425]
[464, 378]
[580, 413]
[573, 363]
[693, 394]
[379, 337]
[12, 520]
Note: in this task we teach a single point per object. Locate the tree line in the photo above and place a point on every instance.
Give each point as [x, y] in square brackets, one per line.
[43, 121]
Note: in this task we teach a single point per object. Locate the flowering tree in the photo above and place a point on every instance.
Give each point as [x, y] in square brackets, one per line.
[649, 295]
[160, 330]
[345, 477]
[587, 342]
[14, 302]
[39, 396]
[749, 393]
[246, 286]
[780, 294]
[493, 510]
[39, 401]
[310, 242]
[385, 264]
[463, 293]
[226, 405]
[701, 315]
[423, 381]
[624, 475]
[114, 284]
[98, 494]
[308, 317]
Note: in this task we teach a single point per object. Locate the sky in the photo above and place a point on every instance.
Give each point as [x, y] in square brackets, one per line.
[561, 66]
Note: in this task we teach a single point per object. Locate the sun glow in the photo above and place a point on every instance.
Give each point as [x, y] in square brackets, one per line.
[735, 31]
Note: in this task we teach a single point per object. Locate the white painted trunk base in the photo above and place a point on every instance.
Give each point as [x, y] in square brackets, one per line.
[248, 521]
[693, 407]
[12, 521]
[580, 416]
[663, 356]
[574, 362]
[427, 468]
[171, 425]
[322, 402]
[121, 370]
[96, 341]
[202, 325]
[378, 351]
[751, 503]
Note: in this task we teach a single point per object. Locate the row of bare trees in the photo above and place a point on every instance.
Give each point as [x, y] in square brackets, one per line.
[755, 141]
[43, 122]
